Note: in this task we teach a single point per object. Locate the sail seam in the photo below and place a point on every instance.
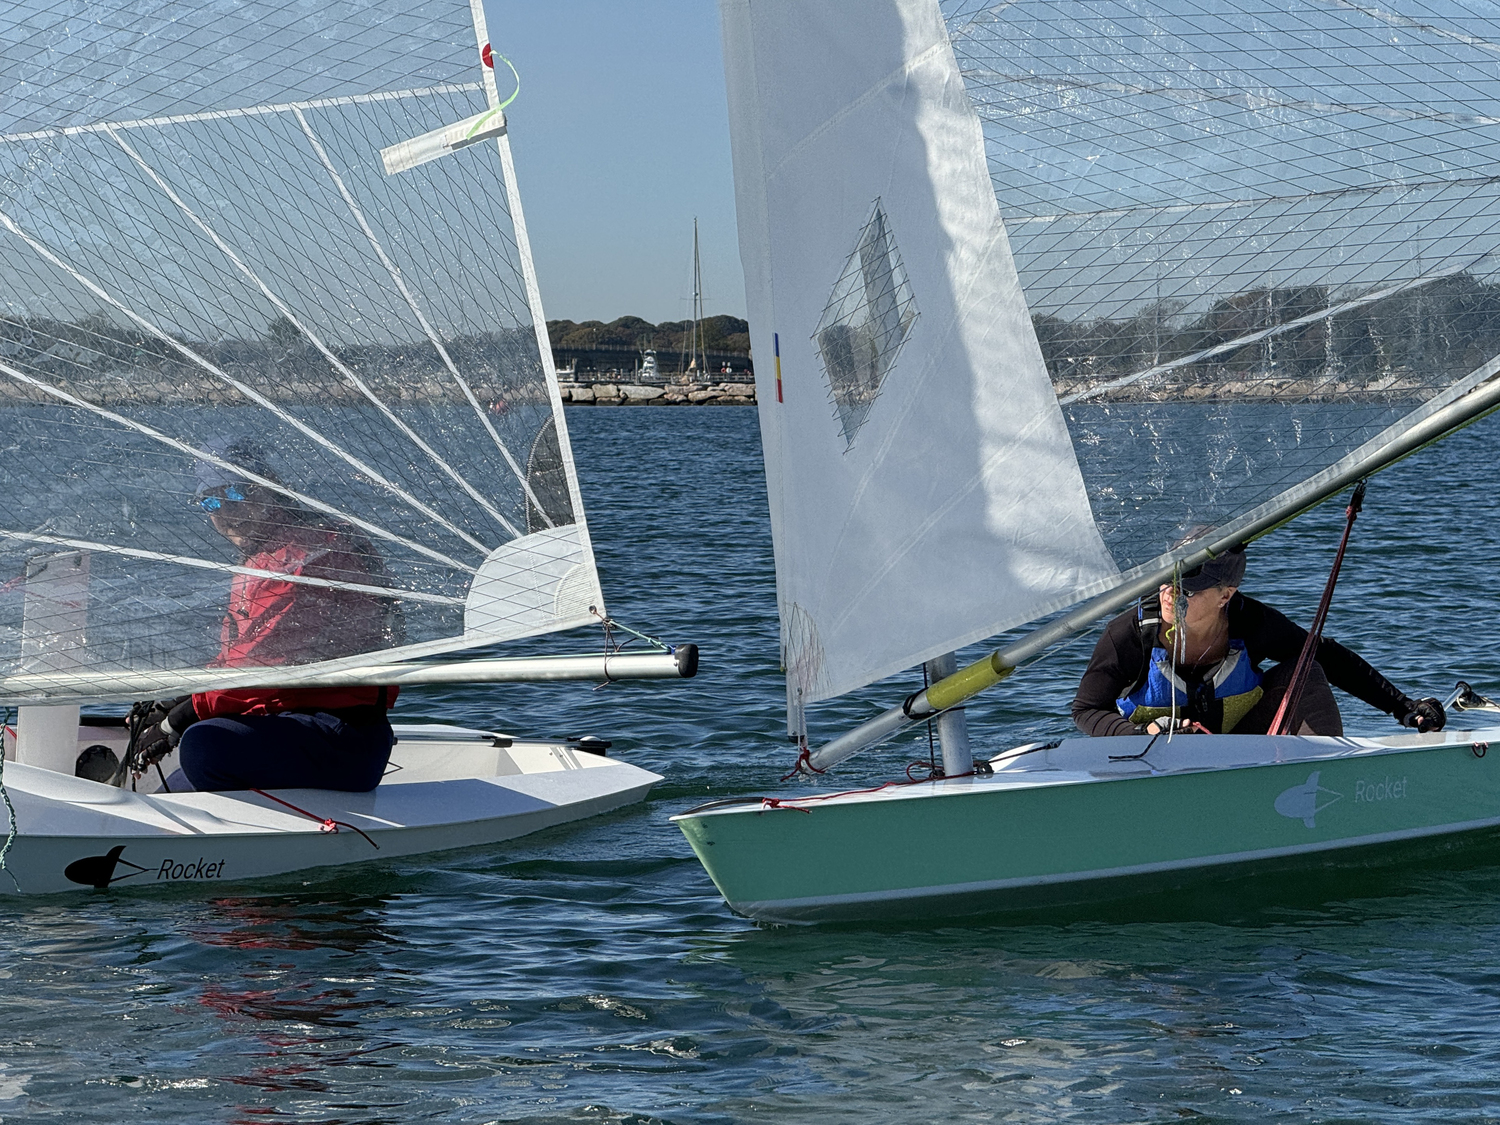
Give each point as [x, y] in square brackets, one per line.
[1243, 98]
[1394, 186]
[1406, 21]
[1274, 330]
[229, 568]
[249, 392]
[876, 89]
[338, 365]
[247, 111]
[411, 301]
[205, 455]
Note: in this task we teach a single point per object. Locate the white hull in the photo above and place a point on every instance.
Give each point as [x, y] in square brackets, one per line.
[453, 789]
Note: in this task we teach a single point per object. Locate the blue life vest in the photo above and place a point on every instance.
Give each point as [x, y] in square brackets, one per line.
[1235, 683]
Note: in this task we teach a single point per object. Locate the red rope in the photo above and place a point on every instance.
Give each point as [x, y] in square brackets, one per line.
[795, 803]
[326, 823]
[804, 760]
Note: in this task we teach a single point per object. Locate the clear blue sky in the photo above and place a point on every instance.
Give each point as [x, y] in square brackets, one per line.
[621, 136]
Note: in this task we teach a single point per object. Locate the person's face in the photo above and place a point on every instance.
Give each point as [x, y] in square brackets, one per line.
[237, 513]
[1203, 608]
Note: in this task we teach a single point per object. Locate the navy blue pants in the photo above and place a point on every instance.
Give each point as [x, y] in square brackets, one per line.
[285, 751]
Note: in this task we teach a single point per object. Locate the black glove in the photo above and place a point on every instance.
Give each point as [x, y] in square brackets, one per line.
[1423, 714]
[151, 745]
[162, 723]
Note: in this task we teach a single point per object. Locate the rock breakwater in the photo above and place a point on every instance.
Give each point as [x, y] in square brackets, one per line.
[670, 394]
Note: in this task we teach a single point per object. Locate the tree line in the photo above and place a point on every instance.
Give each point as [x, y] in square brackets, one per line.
[719, 334]
[1422, 335]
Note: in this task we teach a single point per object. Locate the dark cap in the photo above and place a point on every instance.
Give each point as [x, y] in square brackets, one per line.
[241, 452]
[1227, 569]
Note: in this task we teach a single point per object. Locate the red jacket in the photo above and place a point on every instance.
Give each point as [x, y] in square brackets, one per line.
[271, 621]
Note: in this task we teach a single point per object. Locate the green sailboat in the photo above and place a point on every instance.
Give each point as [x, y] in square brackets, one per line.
[1065, 299]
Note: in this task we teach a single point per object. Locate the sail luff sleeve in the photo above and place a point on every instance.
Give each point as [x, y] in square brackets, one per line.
[589, 593]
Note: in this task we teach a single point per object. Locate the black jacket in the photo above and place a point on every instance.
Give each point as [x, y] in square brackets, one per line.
[1120, 661]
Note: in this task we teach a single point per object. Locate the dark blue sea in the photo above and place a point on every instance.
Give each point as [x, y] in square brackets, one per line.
[592, 974]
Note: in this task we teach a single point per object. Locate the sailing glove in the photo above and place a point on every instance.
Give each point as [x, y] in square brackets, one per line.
[161, 737]
[1423, 714]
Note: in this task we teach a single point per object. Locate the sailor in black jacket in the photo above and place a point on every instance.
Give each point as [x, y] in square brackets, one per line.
[1214, 673]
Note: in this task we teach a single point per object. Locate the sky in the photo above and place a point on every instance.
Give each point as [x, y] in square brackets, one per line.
[621, 137]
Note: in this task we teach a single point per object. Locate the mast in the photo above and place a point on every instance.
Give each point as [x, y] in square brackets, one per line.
[693, 345]
[952, 726]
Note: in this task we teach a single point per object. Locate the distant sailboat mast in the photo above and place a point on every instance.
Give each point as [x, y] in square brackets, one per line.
[694, 349]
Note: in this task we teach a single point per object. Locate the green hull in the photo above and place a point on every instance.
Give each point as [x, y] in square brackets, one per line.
[1067, 836]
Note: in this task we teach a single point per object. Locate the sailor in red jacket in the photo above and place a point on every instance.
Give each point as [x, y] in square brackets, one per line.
[286, 738]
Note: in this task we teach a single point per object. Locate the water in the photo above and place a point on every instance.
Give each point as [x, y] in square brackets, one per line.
[591, 974]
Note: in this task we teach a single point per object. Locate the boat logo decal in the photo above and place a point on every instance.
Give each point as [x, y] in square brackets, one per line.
[1304, 802]
[99, 870]
[1386, 789]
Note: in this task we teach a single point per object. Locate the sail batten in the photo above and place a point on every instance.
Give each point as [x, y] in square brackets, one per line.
[247, 111]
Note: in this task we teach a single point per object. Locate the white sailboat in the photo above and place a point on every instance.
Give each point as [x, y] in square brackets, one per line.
[1069, 297]
[281, 246]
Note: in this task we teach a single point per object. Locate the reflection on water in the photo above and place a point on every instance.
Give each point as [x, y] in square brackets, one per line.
[591, 974]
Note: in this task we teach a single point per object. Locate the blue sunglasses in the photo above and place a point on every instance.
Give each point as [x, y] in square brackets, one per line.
[214, 503]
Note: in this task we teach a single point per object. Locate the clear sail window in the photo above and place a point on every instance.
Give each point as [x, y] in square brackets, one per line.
[868, 318]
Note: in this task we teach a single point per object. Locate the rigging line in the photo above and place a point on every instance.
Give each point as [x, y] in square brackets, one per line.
[1396, 20]
[963, 30]
[11, 830]
[1266, 333]
[228, 568]
[338, 365]
[248, 111]
[253, 395]
[204, 455]
[1222, 204]
[992, 79]
[432, 335]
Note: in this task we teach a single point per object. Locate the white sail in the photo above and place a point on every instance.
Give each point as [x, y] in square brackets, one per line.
[1255, 239]
[923, 489]
[207, 276]
[1258, 250]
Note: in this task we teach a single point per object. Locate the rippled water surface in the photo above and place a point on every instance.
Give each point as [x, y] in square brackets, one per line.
[592, 974]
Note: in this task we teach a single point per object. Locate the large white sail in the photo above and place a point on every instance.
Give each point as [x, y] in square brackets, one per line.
[923, 489]
[208, 276]
[1257, 245]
